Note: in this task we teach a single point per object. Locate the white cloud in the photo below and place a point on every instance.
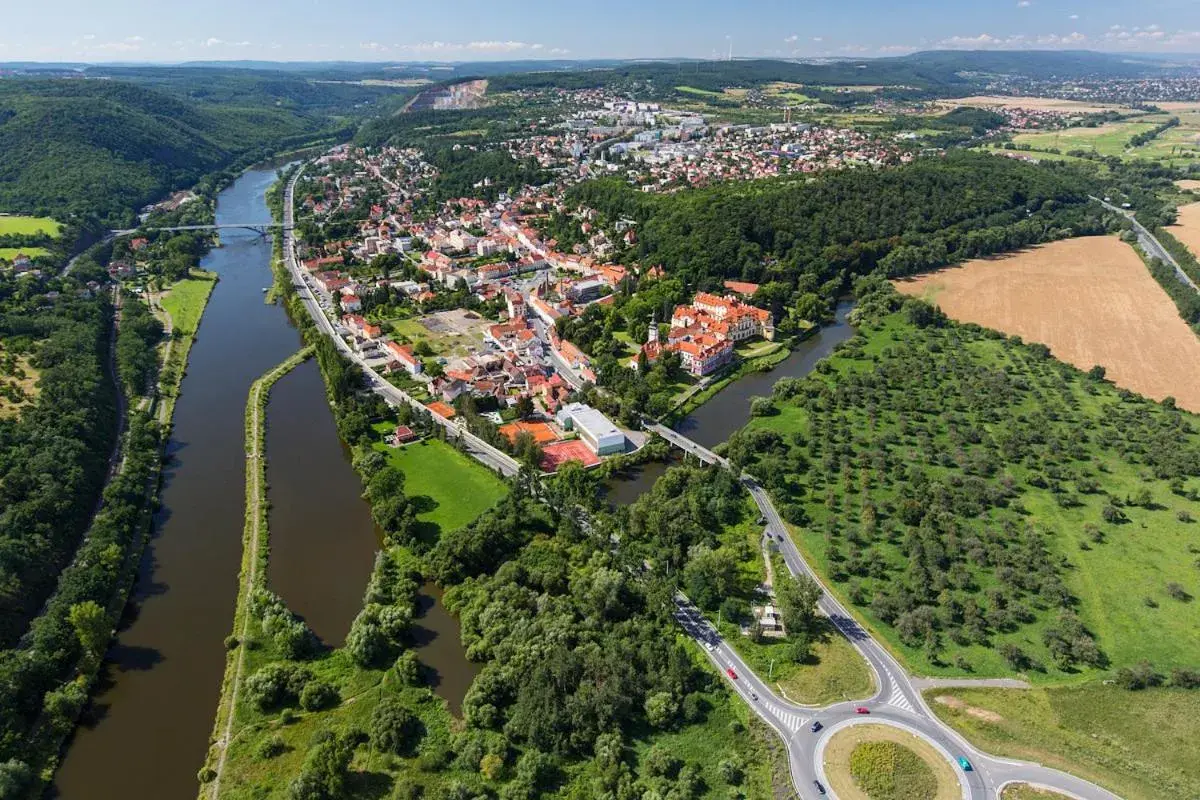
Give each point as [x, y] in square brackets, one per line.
[213, 42]
[498, 47]
[376, 46]
[130, 44]
[1073, 16]
[482, 46]
[1024, 3]
[790, 39]
[818, 38]
[87, 37]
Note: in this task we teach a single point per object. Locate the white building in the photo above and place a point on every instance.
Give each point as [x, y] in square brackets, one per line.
[595, 429]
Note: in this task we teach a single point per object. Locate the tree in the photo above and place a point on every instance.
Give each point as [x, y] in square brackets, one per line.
[524, 407]
[325, 770]
[661, 710]
[318, 695]
[394, 729]
[490, 766]
[1097, 373]
[797, 597]
[91, 628]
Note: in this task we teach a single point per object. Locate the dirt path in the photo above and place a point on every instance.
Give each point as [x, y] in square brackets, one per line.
[255, 477]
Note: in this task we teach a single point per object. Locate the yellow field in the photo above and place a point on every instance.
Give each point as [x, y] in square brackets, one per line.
[1187, 227]
[1034, 104]
[1091, 300]
[18, 386]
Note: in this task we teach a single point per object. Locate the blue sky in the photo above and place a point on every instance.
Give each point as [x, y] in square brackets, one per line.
[452, 30]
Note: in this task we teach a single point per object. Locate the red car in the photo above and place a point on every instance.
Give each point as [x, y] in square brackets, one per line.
[862, 710]
[729, 671]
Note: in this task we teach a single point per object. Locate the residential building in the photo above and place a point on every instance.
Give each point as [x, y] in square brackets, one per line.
[403, 355]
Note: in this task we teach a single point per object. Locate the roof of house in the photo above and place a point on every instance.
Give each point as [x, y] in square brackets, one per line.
[442, 409]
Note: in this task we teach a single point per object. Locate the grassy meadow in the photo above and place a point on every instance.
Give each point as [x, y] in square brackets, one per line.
[457, 488]
[29, 226]
[1140, 745]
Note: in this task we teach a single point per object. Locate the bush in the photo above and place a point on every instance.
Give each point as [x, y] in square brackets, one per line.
[271, 747]
[318, 695]
[276, 685]
[1140, 676]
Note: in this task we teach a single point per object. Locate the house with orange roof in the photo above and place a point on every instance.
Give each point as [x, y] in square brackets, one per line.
[403, 355]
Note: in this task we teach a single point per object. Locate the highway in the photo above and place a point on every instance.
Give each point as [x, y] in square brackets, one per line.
[483, 452]
[1149, 243]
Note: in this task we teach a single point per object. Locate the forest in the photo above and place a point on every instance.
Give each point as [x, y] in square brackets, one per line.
[80, 149]
[53, 456]
[817, 236]
[988, 509]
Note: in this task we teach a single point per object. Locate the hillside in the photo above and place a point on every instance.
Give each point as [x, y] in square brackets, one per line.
[103, 148]
[988, 509]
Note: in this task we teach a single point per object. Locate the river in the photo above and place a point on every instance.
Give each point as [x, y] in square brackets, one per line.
[729, 411]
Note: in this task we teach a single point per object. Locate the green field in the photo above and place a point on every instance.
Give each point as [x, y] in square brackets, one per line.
[1110, 139]
[9, 253]
[458, 488]
[700, 92]
[951, 422]
[1140, 745]
[29, 226]
[185, 303]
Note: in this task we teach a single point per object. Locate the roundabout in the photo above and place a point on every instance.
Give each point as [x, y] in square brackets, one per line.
[863, 760]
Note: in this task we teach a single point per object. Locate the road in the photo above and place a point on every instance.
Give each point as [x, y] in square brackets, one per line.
[896, 700]
[483, 452]
[1151, 245]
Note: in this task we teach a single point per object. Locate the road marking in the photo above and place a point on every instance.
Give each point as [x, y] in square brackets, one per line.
[898, 699]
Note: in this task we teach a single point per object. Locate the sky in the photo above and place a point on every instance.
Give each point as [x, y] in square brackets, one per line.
[483, 30]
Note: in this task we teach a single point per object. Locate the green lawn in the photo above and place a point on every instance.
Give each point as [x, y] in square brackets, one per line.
[699, 92]
[185, 303]
[29, 226]
[459, 488]
[835, 673]
[9, 253]
[1141, 745]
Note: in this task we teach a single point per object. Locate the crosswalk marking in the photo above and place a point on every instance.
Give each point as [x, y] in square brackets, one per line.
[790, 720]
[898, 699]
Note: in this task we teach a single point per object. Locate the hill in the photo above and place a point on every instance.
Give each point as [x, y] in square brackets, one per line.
[81, 148]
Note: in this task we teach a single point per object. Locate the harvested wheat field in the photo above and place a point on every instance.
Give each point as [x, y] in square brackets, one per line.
[1188, 184]
[1187, 227]
[1032, 104]
[1091, 300]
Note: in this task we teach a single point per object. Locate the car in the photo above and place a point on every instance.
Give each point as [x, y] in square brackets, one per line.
[762, 520]
[862, 710]
[708, 646]
[820, 789]
[754, 696]
[966, 765]
[729, 671]
[816, 726]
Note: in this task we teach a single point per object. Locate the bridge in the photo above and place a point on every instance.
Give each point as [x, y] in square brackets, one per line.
[261, 228]
[686, 444]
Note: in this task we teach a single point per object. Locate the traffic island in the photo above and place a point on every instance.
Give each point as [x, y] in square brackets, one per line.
[1025, 791]
[882, 762]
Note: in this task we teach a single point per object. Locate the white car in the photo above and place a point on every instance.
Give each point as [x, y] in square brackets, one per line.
[708, 646]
